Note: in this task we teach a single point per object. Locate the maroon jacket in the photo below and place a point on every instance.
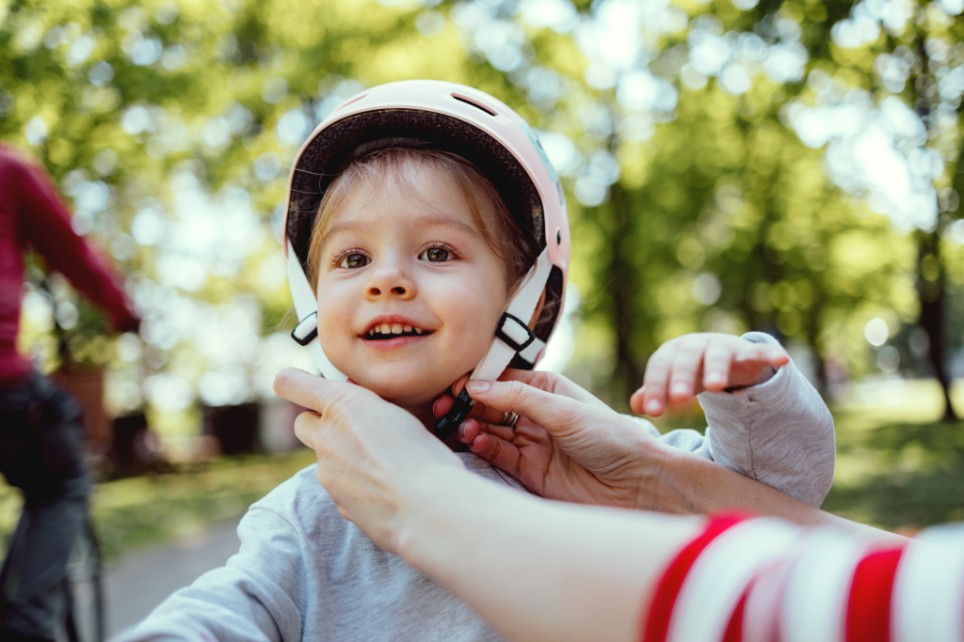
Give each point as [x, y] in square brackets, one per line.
[33, 216]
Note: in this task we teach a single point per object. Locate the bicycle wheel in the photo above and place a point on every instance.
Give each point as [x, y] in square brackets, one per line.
[84, 587]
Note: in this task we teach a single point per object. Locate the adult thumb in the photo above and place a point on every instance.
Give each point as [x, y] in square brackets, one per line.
[311, 391]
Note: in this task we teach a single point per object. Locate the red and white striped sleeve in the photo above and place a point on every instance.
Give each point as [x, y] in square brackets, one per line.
[765, 580]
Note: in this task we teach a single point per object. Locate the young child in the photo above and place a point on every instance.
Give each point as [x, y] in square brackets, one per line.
[427, 240]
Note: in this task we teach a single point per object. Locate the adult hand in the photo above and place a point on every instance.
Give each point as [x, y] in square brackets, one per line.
[566, 445]
[373, 457]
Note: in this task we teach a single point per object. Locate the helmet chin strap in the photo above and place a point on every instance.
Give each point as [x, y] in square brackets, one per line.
[513, 336]
[306, 307]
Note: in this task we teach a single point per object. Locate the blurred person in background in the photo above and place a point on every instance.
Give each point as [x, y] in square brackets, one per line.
[41, 431]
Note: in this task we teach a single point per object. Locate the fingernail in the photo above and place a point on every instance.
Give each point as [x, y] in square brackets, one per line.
[476, 387]
[681, 389]
[653, 406]
[715, 377]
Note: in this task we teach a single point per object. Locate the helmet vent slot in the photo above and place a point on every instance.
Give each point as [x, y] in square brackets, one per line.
[476, 104]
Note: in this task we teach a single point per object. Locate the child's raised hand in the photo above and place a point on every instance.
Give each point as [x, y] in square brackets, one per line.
[683, 367]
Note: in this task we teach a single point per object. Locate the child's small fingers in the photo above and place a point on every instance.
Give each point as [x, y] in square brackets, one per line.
[716, 365]
[778, 356]
[687, 364]
[656, 381]
[637, 402]
[770, 355]
[753, 353]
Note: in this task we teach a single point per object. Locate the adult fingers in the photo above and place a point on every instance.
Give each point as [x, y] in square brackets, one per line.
[478, 411]
[546, 381]
[496, 450]
[305, 428]
[554, 383]
[557, 413]
[297, 386]
[472, 427]
[316, 393]
[323, 399]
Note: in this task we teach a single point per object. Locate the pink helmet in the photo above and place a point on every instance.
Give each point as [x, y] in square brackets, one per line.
[475, 126]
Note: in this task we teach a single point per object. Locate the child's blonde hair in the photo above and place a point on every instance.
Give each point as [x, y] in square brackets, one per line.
[501, 232]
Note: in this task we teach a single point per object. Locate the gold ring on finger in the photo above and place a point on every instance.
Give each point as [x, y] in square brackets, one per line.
[510, 419]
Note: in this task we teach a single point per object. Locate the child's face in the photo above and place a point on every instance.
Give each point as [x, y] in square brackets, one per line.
[409, 291]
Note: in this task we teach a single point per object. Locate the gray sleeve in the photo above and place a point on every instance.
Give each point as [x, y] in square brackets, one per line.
[779, 432]
[254, 596]
[687, 439]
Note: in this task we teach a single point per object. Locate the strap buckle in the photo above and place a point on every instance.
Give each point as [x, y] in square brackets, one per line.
[307, 330]
[514, 332]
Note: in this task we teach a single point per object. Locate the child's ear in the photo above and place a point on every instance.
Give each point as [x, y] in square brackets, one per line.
[538, 310]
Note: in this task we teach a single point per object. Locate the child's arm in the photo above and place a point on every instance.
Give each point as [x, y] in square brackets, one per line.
[777, 431]
[252, 597]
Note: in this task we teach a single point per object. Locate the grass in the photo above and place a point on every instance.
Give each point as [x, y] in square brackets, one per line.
[898, 467]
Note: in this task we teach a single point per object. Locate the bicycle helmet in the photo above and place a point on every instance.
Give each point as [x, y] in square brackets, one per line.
[475, 126]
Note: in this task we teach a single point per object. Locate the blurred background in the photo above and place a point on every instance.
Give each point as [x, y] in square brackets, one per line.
[790, 166]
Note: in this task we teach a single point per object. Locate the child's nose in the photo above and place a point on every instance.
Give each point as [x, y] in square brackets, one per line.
[400, 290]
[390, 281]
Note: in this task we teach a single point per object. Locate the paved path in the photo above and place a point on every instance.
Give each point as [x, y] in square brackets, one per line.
[140, 580]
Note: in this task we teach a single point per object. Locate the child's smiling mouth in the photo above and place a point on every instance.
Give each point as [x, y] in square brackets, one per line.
[389, 330]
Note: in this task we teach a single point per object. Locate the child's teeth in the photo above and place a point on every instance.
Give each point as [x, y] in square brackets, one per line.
[394, 328]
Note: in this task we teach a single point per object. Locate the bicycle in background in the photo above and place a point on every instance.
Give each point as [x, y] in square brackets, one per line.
[42, 425]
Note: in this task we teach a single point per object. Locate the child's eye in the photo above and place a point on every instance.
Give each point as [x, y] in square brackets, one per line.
[352, 260]
[437, 254]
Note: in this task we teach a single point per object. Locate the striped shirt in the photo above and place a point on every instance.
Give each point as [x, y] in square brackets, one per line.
[765, 580]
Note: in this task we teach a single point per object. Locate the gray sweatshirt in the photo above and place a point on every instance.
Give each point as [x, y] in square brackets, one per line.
[305, 573]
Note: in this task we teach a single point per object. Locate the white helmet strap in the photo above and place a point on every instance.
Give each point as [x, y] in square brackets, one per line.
[306, 307]
[513, 336]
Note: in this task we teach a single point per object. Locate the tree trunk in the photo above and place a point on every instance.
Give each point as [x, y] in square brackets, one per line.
[930, 266]
[627, 374]
[931, 293]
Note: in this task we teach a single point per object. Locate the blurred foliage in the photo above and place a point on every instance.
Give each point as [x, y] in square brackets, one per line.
[700, 197]
[898, 465]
